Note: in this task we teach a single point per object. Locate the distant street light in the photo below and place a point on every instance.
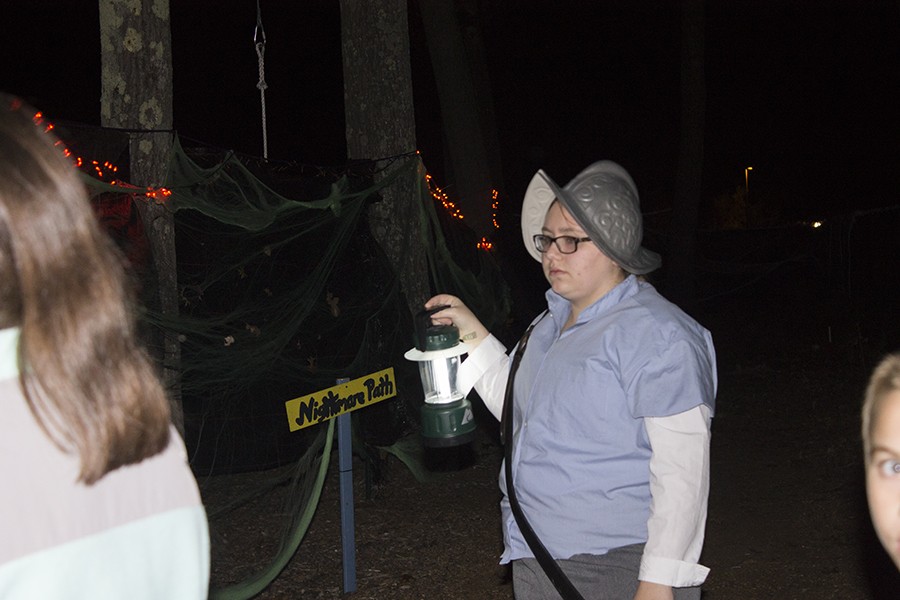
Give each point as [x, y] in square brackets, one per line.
[747, 179]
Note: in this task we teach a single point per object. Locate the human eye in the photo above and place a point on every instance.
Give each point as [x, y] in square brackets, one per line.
[568, 242]
[889, 467]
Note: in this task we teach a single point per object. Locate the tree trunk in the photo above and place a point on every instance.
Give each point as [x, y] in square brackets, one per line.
[470, 175]
[681, 275]
[380, 122]
[136, 93]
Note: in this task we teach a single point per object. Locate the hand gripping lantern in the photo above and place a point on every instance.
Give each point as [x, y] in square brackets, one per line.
[447, 418]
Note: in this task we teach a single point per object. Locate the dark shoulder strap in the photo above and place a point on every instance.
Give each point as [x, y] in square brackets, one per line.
[550, 566]
[506, 411]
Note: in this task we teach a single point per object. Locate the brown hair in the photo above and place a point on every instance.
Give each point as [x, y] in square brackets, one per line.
[88, 383]
[884, 380]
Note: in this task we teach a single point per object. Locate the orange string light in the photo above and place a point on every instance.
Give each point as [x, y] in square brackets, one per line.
[159, 195]
[495, 207]
[441, 196]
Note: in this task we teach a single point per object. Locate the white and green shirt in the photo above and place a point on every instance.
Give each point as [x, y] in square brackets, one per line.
[139, 533]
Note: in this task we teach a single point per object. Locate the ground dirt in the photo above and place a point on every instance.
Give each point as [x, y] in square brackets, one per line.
[787, 512]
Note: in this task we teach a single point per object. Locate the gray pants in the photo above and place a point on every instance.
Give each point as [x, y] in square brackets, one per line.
[612, 576]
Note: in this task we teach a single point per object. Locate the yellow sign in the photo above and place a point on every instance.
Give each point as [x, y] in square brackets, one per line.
[343, 398]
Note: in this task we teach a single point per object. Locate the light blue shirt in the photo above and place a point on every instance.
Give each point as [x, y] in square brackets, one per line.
[581, 453]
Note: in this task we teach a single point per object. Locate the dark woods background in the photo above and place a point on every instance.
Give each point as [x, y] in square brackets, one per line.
[802, 92]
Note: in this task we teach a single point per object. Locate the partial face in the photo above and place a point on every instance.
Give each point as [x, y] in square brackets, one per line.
[883, 475]
[583, 277]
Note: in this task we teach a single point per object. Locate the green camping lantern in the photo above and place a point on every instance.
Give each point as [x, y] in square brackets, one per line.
[447, 418]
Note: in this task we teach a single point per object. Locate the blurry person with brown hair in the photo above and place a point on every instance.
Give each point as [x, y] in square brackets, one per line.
[98, 500]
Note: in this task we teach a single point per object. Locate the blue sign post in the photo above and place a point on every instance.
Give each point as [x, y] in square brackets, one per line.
[338, 402]
[345, 468]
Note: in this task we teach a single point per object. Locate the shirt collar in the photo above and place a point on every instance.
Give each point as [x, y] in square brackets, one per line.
[9, 354]
[560, 307]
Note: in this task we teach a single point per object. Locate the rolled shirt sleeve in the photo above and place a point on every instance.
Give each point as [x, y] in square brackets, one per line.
[679, 487]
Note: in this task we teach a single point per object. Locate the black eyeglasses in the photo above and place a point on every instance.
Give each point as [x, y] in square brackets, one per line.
[565, 243]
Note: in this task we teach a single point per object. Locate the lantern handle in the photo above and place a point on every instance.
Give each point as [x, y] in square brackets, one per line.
[423, 324]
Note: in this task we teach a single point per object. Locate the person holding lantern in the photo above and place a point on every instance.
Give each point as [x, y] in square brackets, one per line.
[609, 407]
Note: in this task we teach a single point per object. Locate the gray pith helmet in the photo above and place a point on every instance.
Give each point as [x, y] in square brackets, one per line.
[603, 200]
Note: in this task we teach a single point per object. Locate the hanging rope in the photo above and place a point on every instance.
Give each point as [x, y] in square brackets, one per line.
[259, 38]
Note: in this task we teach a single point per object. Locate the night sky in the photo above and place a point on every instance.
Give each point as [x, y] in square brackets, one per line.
[805, 92]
